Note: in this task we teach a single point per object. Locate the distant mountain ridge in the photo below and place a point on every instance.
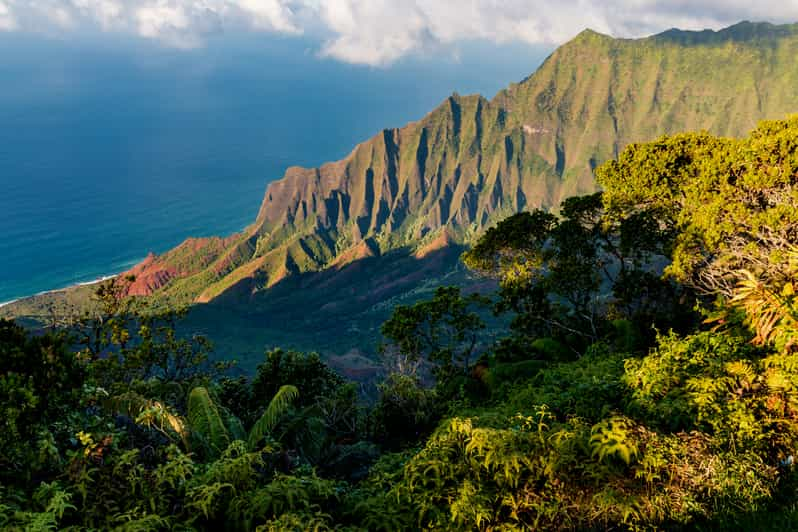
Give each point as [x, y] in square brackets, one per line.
[472, 161]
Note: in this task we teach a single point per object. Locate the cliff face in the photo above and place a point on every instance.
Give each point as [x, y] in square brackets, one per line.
[472, 161]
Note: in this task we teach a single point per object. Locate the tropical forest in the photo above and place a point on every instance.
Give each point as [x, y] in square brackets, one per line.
[647, 379]
[613, 346]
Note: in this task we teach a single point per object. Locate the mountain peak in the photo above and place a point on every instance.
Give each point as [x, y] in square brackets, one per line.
[586, 38]
[588, 33]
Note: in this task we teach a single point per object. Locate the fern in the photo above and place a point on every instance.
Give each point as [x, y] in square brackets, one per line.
[383, 513]
[764, 307]
[237, 467]
[206, 421]
[131, 522]
[205, 498]
[471, 507]
[298, 522]
[771, 307]
[611, 438]
[277, 407]
[175, 471]
[52, 497]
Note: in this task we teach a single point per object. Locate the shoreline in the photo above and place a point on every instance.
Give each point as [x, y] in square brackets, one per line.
[64, 289]
[127, 267]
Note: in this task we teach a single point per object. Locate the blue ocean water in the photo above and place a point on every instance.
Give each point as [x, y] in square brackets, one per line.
[112, 148]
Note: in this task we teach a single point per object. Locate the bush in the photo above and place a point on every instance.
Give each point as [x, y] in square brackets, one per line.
[405, 411]
[743, 396]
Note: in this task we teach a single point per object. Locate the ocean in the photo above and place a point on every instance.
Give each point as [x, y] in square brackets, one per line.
[111, 148]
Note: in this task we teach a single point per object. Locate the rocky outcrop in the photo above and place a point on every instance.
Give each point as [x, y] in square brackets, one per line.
[150, 275]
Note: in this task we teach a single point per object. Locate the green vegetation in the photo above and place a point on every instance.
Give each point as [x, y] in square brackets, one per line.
[648, 380]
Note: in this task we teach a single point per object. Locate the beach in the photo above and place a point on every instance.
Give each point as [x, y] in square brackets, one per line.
[57, 290]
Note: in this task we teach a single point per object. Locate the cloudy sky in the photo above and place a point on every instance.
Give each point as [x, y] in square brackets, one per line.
[379, 32]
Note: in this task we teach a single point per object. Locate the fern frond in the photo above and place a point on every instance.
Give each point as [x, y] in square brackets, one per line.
[611, 438]
[128, 404]
[277, 407]
[771, 312]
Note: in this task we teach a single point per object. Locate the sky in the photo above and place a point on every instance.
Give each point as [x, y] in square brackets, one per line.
[378, 33]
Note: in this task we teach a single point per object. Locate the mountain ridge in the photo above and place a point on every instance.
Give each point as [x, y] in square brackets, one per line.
[473, 160]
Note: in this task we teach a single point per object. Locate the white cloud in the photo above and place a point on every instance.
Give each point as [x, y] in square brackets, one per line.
[7, 20]
[178, 23]
[268, 15]
[375, 32]
[378, 32]
[108, 14]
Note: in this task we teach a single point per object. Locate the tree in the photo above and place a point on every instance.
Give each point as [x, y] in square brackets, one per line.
[405, 411]
[443, 330]
[729, 205]
[566, 277]
[40, 382]
[306, 371]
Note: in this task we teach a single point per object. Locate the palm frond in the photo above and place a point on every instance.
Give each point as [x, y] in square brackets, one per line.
[206, 421]
[234, 426]
[277, 407]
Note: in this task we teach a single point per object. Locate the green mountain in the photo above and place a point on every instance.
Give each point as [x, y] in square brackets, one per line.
[334, 248]
[471, 161]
